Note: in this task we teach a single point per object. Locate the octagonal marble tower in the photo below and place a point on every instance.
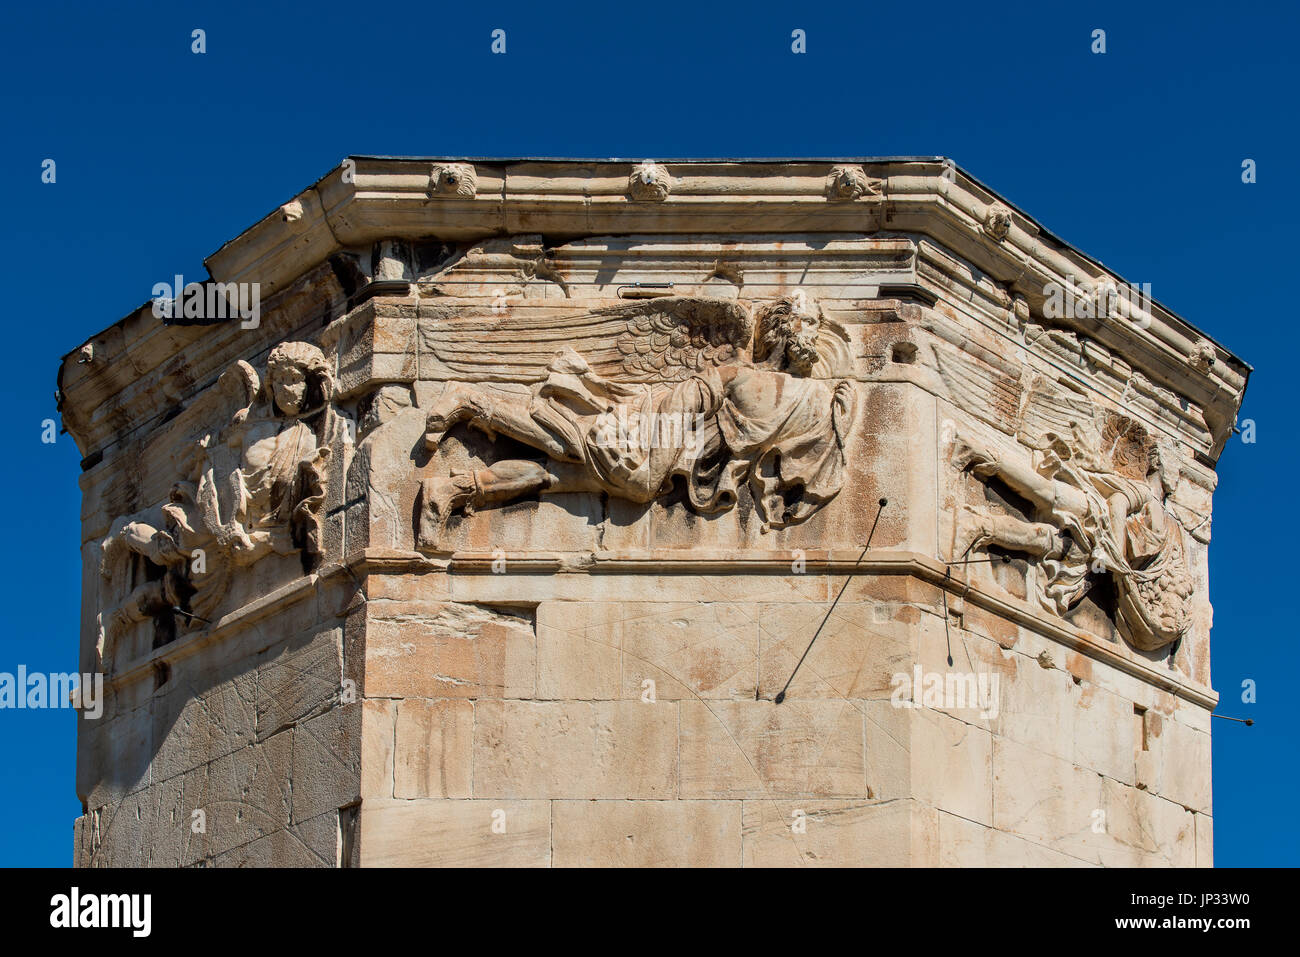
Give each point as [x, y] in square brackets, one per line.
[499, 532]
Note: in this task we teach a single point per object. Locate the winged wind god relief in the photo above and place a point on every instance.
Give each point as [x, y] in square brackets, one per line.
[627, 400]
[253, 484]
[1097, 486]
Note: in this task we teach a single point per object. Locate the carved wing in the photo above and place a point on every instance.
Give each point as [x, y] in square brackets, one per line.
[239, 385]
[211, 412]
[990, 394]
[1051, 408]
[654, 340]
[1025, 405]
[684, 337]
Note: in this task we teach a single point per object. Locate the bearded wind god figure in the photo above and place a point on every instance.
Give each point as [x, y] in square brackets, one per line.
[1097, 486]
[703, 412]
[252, 487]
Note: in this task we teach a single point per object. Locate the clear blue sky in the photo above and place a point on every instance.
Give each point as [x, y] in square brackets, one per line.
[1133, 156]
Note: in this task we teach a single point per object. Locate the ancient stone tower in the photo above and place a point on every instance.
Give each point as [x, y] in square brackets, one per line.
[494, 524]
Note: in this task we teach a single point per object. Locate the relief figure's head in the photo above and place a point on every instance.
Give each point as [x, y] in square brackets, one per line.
[787, 335]
[297, 378]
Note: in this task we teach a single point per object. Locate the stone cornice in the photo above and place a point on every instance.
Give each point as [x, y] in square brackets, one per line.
[454, 200]
[671, 562]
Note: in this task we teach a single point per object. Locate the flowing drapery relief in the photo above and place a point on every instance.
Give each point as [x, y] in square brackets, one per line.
[251, 486]
[1098, 487]
[679, 371]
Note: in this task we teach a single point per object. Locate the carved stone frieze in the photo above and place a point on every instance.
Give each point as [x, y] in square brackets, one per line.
[1098, 489]
[252, 484]
[702, 412]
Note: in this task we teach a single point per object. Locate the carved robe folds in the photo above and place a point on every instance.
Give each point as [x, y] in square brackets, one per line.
[773, 429]
[1145, 553]
[771, 421]
[252, 488]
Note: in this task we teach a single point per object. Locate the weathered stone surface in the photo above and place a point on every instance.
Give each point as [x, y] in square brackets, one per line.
[952, 765]
[1007, 850]
[1104, 736]
[781, 833]
[434, 749]
[962, 843]
[699, 650]
[378, 744]
[299, 680]
[616, 749]
[888, 732]
[326, 762]
[1176, 763]
[1043, 798]
[760, 749]
[449, 651]
[858, 651]
[312, 843]
[1158, 833]
[579, 650]
[193, 728]
[244, 795]
[148, 828]
[1204, 834]
[114, 760]
[475, 833]
[1038, 707]
[1084, 815]
[646, 833]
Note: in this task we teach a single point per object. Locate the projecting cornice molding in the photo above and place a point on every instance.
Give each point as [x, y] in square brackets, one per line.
[976, 238]
[564, 199]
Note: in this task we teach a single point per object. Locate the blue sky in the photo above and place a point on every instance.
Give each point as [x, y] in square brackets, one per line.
[1133, 156]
